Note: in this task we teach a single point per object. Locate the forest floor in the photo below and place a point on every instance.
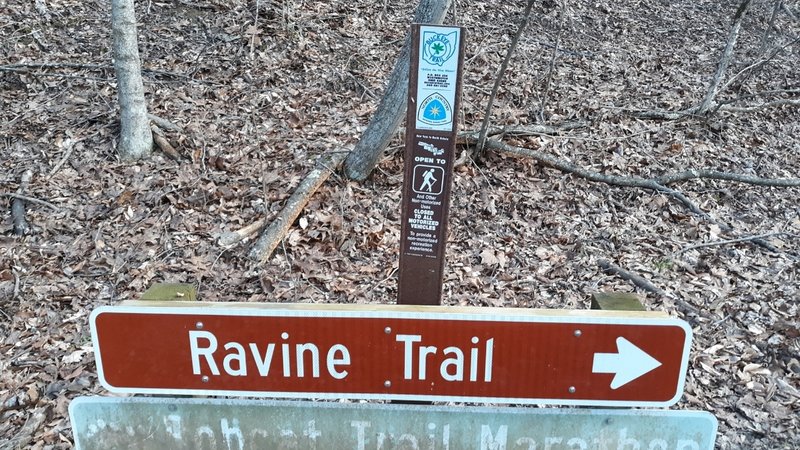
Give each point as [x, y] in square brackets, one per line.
[262, 92]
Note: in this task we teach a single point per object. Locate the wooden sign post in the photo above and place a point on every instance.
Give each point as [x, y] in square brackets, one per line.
[434, 90]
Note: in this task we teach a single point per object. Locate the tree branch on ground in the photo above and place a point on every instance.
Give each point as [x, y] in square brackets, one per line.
[727, 176]
[161, 141]
[776, 7]
[392, 107]
[31, 200]
[164, 123]
[21, 227]
[758, 64]
[274, 233]
[479, 148]
[644, 284]
[736, 241]
[657, 184]
[623, 181]
[69, 145]
[229, 238]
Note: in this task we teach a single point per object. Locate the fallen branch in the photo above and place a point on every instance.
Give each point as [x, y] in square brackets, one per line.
[274, 233]
[552, 65]
[777, 6]
[753, 239]
[749, 69]
[164, 123]
[727, 176]
[659, 184]
[31, 200]
[21, 227]
[644, 284]
[725, 60]
[624, 181]
[637, 280]
[162, 143]
[772, 104]
[233, 237]
[69, 145]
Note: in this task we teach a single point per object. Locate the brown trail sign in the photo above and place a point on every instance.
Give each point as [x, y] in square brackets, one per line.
[433, 100]
[392, 352]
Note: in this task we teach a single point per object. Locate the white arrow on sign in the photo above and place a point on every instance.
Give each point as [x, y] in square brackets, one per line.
[629, 363]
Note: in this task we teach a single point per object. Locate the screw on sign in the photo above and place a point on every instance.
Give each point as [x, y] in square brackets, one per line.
[393, 353]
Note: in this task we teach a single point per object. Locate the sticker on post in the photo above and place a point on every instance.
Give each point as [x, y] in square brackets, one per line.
[435, 111]
[437, 48]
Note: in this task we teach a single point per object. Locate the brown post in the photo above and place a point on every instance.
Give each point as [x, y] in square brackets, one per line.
[434, 92]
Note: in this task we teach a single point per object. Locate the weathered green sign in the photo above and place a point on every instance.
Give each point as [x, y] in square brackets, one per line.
[170, 423]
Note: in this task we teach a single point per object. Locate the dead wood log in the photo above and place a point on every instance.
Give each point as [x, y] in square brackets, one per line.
[69, 145]
[162, 143]
[233, 237]
[624, 181]
[364, 157]
[21, 227]
[727, 176]
[164, 123]
[772, 104]
[658, 184]
[776, 7]
[31, 200]
[637, 280]
[274, 233]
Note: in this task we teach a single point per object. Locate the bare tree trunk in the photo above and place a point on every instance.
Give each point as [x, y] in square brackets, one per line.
[725, 60]
[136, 139]
[364, 157]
